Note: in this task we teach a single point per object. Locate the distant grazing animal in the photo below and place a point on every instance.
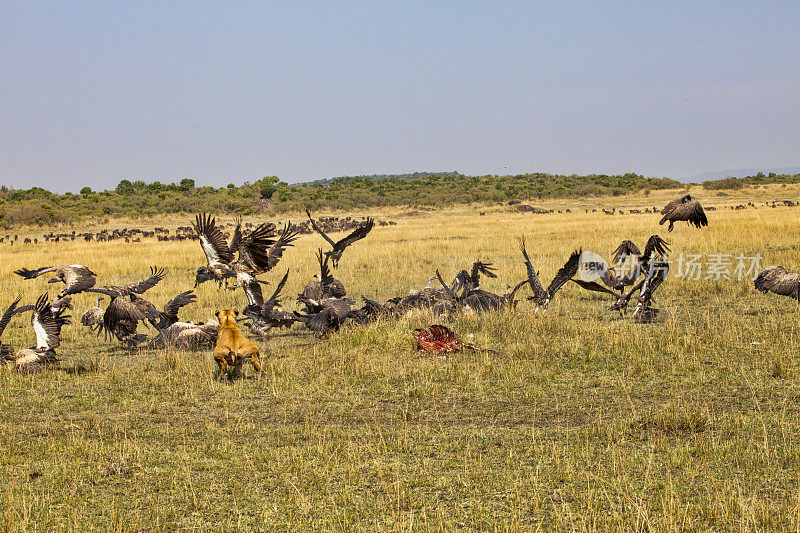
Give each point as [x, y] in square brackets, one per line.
[232, 347]
[338, 247]
[77, 278]
[776, 279]
[684, 208]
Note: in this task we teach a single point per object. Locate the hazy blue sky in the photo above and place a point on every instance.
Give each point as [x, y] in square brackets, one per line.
[94, 92]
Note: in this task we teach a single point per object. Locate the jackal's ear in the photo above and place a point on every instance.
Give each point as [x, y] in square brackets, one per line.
[216, 313]
[236, 312]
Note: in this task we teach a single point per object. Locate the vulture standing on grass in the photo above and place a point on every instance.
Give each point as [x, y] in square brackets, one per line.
[542, 296]
[47, 326]
[775, 279]
[186, 336]
[338, 247]
[77, 278]
[472, 296]
[94, 315]
[329, 316]
[684, 208]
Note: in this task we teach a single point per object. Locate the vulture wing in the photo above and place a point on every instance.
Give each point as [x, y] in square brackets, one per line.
[594, 286]
[237, 235]
[316, 228]
[565, 273]
[776, 279]
[183, 299]
[533, 277]
[254, 249]
[156, 275]
[30, 274]
[288, 236]
[47, 325]
[6, 317]
[624, 250]
[359, 233]
[212, 240]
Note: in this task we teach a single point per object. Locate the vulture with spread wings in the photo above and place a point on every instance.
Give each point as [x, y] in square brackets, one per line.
[684, 208]
[258, 252]
[77, 278]
[338, 247]
[47, 326]
[627, 255]
[113, 291]
[542, 296]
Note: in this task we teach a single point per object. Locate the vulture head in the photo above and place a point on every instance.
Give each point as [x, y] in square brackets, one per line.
[203, 274]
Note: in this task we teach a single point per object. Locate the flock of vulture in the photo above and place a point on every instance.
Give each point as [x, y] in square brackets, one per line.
[323, 304]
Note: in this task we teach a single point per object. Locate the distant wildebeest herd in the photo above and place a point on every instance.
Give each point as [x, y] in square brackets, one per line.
[323, 305]
[181, 233]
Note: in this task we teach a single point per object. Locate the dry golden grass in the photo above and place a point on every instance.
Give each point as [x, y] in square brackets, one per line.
[585, 421]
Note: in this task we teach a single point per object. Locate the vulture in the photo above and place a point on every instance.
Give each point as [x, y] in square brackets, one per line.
[481, 301]
[265, 315]
[186, 336]
[542, 296]
[77, 278]
[684, 208]
[122, 316]
[775, 279]
[114, 291]
[469, 281]
[330, 314]
[338, 247]
[47, 326]
[472, 296]
[324, 285]
[644, 311]
[425, 298]
[258, 252]
[94, 315]
[638, 263]
[369, 312]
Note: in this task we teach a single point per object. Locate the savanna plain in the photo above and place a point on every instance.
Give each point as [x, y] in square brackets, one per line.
[581, 420]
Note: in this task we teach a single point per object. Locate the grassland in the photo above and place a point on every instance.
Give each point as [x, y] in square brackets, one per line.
[585, 421]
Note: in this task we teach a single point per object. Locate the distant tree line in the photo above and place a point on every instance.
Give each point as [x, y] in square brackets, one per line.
[749, 181]
[136, 198]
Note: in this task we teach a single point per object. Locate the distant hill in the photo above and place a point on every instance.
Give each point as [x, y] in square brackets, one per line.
[742, 173]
